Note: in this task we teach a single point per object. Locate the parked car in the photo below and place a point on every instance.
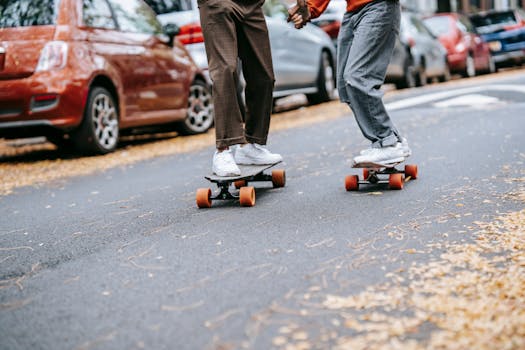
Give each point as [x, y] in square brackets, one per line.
[401, 70]
[185, 15]
[468, 54]
[504, 31]
[330, 20]
[428, 54]
[304, 60]
[418, 56]
[90, 69]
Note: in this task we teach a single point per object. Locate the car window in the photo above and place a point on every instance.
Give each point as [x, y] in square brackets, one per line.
[416, 25]
[25, 13]
[166, 6]
[275, 9]
[97, 14]
[465, 24]
[135, 16]
[521, 13]
[502, 18]
[438, 25]
[419, 26]
[461, 27]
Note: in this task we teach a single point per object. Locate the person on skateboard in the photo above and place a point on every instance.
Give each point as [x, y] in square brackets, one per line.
[364, 47]
[236, 29]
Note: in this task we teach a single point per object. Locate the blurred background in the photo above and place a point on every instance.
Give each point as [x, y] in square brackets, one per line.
[127, 68]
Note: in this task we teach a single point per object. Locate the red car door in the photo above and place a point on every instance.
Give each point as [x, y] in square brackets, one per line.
[164, 72]
[117, 52]
[174, 73]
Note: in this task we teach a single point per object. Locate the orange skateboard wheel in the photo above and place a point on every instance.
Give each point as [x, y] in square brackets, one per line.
[203, 198]
[411, 170]
[278, 178]
[366, 173]
[395, 181]
[352, 183]
[247, 196]
[239, 183]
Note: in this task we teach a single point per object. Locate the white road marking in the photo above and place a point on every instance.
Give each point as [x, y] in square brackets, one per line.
[419, 100]
[470, 100]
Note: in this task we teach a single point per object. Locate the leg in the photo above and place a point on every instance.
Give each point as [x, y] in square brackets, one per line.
[373, 33]
[344, 43]
[255, 53]
[219, 20]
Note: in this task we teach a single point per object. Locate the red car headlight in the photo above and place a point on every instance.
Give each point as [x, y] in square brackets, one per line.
[460, 47]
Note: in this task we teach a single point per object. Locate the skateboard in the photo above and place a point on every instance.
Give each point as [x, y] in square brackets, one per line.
[246, 194]
[377, 173]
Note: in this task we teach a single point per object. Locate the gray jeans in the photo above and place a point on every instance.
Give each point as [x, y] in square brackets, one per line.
[365, 44]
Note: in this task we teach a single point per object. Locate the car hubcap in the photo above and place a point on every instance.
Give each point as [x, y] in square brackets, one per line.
[447, 74]
[200, 109]
[328, 76]
[422, 77]
[105, 121]
[492, 65]
[410, 78]
[471, 69]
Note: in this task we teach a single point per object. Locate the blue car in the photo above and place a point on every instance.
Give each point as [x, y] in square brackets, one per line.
[504, 31]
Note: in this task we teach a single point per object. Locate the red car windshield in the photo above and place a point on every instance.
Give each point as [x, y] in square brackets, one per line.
[25, 13]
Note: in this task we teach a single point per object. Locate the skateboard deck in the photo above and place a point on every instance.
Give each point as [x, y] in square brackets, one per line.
[246, 194]
[381, 173]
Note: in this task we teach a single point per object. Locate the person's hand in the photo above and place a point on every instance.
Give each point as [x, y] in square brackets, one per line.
[299, 14]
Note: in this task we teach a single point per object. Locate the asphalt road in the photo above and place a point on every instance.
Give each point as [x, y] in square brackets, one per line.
[123, 259]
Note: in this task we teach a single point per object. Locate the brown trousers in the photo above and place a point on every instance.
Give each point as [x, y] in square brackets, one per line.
[237, 29]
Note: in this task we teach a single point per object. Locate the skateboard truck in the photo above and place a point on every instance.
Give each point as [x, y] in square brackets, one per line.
[246, 194]
[382, 173]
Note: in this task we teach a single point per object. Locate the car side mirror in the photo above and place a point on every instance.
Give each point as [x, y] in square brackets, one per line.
[171, 30]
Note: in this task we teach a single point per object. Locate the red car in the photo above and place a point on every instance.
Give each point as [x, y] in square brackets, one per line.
[468, 54]
[80, 71]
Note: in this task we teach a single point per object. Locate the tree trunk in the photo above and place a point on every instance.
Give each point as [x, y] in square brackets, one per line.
[444, 6]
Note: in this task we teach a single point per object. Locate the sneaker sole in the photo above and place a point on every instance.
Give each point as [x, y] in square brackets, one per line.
[227, 174]
[251, 162]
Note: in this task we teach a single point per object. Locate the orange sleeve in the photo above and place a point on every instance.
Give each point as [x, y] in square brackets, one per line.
[317, 7]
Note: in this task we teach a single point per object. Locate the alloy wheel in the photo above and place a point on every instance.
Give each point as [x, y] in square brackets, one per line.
[200, 109]
[329, 82]
[470, 69]
[105, 121]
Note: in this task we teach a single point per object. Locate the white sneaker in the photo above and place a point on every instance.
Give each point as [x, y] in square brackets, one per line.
[407, 152]
[254, 154]
[384, 155]
[224, 164]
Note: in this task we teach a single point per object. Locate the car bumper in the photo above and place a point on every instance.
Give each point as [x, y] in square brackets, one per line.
[505, 57]
[457, 61]
[47, 99]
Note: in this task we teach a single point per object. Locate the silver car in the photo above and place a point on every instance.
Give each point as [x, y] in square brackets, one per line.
[418, 55]
[304, 60]
[429, 55]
